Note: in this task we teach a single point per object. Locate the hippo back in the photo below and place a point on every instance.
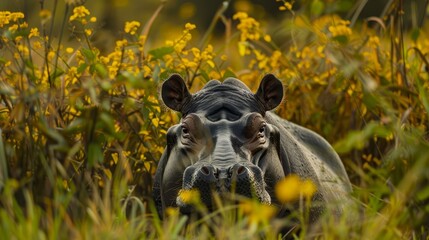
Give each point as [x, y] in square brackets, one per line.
[310, 156]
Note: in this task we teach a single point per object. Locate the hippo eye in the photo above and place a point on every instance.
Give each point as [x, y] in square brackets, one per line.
[185, 131]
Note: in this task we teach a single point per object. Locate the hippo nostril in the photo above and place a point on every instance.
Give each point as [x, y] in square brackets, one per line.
[240, 170]
[205, 170]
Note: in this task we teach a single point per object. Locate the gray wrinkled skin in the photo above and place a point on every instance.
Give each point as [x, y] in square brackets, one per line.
[228, 142]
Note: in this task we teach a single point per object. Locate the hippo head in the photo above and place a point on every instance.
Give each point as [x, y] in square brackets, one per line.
[223, 144]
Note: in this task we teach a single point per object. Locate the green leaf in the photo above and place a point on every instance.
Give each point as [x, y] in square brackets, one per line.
[82, 68]
[423, 194]
[205, 76]
[344, 6]
[341, 39]
[415, 33]
[157, 75]
[109, 123]
[88, 54]
[101, 70]
[57, 73]
[163, 75]
[3, 163]
[424, 97]
[158, 53]
[3, 61]
[106, 85]
[95, 155]
[228, 73]
[370, 100]
[358, 139]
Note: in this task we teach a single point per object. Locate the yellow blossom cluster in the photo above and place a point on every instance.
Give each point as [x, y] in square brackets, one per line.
[131, 27]
[189, 60]
[180, 43]
[340, 28]
[13, 20]
[45, 15]
[79, 13]
[292, 188]
[373, 57]
[120, 59]
[7, 17]
[199, 57]
[189, 196]
[287, 5]
[257, 213]
[249, 28]
[266, 63]
[249, 31]
[34, 32]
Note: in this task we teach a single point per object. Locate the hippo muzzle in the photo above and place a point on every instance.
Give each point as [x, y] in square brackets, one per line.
[242, 179]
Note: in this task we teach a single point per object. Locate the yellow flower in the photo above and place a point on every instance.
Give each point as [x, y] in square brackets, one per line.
[340, 28]
[286, 6]
[51, 55]
[155, 122]
[172, 212]
[23, 50]
[257, 212]
[37, 45]
[16, 15]
[34, 32]
[267, 38]
[242, 48]
[79, 12]
[142, 39]
[45, 15]
[189, 196]
[131, 27]
[113, 70]
[308, 189]
[189, 26]
[214, 75]
[69, 50]
[121, 43]
[13, 28]
[287, 190]
[88, 32]
[374, 41]
[248, 27]
[291, 188]
[4, 18]
[240, 15]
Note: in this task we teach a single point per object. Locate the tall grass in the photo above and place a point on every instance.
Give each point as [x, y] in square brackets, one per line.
[82, 129]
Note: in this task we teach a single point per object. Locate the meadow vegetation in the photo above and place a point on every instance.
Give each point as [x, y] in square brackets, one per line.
[82, 128]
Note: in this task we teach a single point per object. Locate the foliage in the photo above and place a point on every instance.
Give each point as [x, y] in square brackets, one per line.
[82, 129]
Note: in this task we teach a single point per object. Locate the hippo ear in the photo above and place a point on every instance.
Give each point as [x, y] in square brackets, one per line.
[270, 92]
[175, 93]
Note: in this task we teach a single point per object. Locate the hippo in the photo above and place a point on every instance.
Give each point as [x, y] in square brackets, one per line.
[229, 141]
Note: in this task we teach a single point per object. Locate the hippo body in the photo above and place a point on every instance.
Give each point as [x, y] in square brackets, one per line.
[229, 141]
